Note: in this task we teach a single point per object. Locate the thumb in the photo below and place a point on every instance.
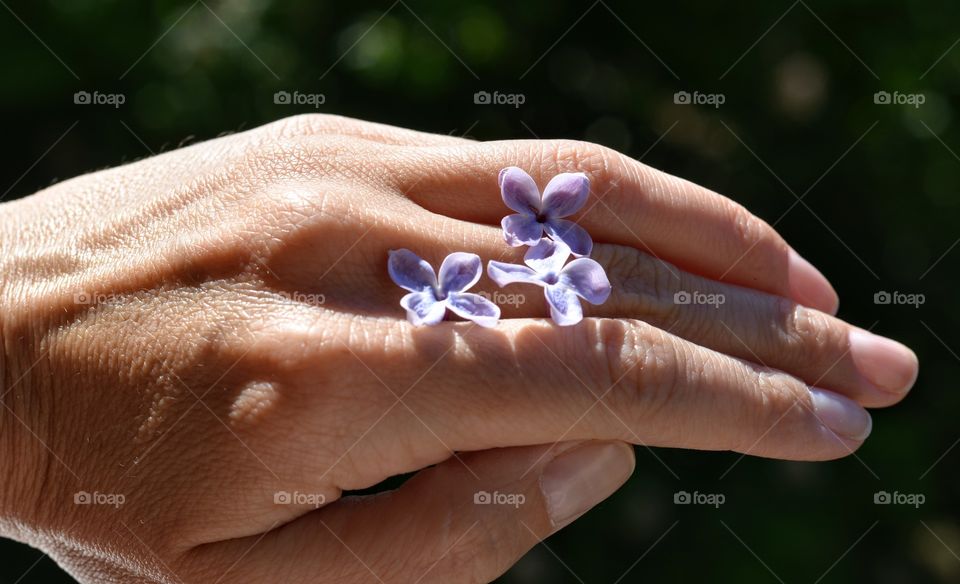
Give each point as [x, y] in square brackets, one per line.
[467, 519]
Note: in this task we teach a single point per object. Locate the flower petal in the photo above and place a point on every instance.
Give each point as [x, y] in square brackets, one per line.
[587, 278]
[547, 257]
[565, 194]
[518, 190]
[474, 307]
[576, 237]
[565, 308]
[521, 230]
[459, 271]
[503, 273]
[410, 272]
[422, 308]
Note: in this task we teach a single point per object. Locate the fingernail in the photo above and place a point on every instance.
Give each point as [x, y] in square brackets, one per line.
[884, 362]
[581, 477]
[809, 286]
[843, 416]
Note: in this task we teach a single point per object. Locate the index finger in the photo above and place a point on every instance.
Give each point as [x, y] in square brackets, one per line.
[629, 204]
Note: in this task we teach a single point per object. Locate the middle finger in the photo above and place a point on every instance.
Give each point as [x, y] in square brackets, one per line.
[766, 329]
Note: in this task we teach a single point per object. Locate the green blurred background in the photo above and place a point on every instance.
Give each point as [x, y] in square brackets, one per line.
[799, 118]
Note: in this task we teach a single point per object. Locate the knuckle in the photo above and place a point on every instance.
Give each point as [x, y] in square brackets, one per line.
[748, 229]
[652, 366]
[307, 123]
[609, 171]
[286, 156]
[243, 173]
[807, 338]
[602, 164]
[485, 541]
[754, 238]
[319, 124]
[296, 344]
[775, 395]
[646, 284]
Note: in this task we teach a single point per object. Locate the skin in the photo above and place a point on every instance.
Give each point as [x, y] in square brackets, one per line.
[204, 329]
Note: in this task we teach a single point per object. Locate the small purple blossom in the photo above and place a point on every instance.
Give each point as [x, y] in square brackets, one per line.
[562, 284]
[429, 299]
[563, 196]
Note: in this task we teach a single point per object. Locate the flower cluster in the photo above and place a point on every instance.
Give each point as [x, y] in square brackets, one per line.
[539, 223]
[546, 260]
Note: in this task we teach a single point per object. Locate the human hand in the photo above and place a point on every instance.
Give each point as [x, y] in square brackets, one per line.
[202, 338]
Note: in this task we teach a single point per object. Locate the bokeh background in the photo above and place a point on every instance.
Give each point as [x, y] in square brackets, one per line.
[864, 188]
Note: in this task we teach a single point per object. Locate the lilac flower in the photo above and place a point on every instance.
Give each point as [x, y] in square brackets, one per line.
[562, 285]
[429, 300]
[563, 196]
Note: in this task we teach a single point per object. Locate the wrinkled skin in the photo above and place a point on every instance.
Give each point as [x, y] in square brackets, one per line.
[204, 329]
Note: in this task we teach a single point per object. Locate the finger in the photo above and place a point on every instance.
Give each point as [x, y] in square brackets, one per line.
[630, 204]
[418, 394]
[665, 391]
[449, 523]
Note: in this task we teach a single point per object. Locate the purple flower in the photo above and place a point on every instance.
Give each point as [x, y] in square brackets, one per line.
[563, 196]
[562, 285]
[429, 300]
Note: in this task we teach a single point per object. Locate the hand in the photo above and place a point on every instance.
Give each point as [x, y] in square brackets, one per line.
[203, 350]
